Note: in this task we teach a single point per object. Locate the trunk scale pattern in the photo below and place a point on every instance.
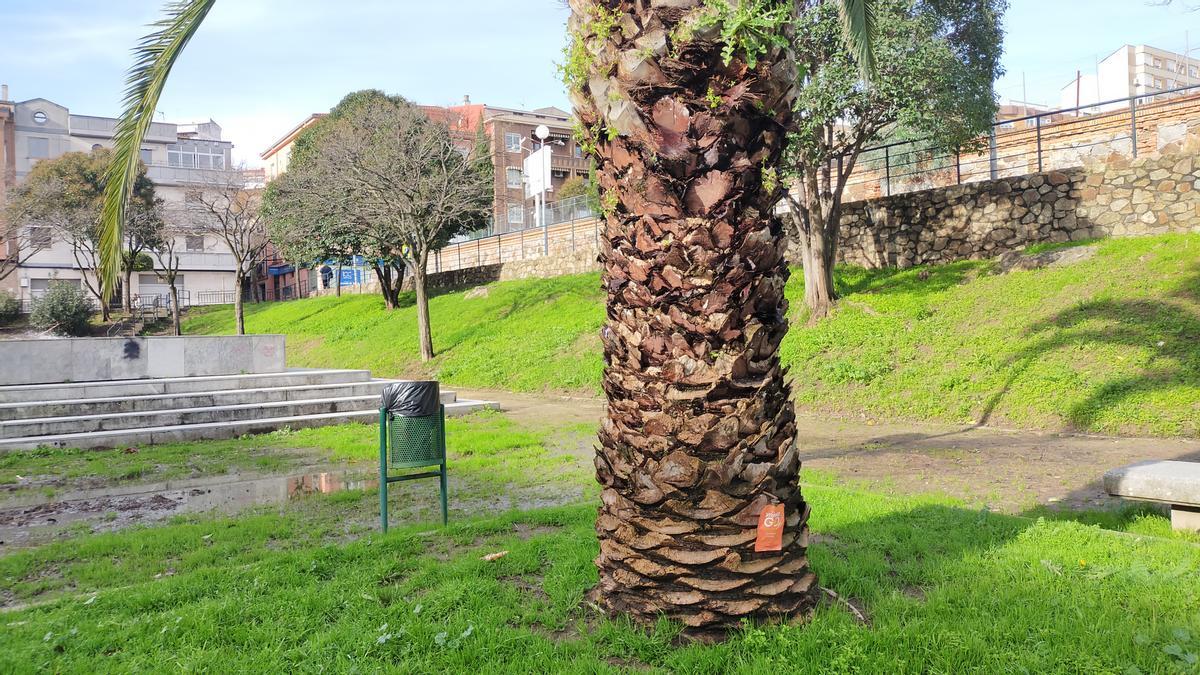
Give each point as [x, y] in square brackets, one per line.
[699, 434]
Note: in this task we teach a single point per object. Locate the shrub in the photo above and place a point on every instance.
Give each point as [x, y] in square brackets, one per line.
[64, 310]
[10, 307]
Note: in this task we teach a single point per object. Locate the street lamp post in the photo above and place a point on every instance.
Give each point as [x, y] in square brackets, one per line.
[542, 132]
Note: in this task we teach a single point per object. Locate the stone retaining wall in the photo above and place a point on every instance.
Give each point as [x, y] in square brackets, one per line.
[1153, 194]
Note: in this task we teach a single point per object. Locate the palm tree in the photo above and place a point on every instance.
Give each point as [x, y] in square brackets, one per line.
[688, 109]
[687, 106]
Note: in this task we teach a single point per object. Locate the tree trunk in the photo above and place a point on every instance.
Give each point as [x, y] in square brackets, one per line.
[819, 294]
[129, 292]
[387, 286]
[176, 324]
[239, 309]
[700, 434]
[424, 335]
[338, 286]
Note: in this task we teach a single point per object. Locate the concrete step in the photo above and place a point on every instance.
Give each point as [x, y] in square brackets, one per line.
[211, 430]
[176, 385]
[221, 397]
[51, 426]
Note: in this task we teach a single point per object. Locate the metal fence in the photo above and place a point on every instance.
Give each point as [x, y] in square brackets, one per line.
[571, 225]
[1044, 141]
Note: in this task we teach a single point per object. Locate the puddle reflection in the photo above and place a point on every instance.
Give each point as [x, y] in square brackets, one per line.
[113, 508]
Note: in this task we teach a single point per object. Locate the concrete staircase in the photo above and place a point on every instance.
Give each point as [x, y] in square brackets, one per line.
[118, 413]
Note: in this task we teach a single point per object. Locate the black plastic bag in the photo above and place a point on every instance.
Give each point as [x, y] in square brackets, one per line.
[412, 398]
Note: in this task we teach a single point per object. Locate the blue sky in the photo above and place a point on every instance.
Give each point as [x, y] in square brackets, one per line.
[260, 66]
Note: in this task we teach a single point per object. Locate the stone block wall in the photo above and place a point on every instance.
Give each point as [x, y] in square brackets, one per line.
[1153, 194]
[578, 261]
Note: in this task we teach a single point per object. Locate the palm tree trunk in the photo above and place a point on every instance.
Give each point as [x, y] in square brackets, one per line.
[700, 433]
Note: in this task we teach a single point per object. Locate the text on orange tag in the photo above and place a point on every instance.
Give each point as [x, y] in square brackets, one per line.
[770, 528]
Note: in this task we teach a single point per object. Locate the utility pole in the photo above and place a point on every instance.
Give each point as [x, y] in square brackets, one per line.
[1077, 93]
[1024, 99]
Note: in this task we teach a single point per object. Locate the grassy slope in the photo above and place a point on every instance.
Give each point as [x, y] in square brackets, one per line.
[1107, 345]
[524, 336]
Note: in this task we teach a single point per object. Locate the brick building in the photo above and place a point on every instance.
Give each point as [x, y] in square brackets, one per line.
[509, 135]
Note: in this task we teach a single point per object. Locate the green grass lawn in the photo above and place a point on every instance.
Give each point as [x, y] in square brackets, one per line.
[310, 584]
[944, 589]
[1105, 345]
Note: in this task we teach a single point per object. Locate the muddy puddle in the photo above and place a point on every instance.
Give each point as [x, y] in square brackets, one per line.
[116, 507]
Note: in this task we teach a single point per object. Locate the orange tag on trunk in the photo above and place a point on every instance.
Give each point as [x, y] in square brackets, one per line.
[770, 528]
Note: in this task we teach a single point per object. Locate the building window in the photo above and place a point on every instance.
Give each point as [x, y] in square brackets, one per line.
[512, 177]
[516, 214]
[40, 117]
[39, 237]
[578, 152]
[146, 156]
[512, 142]
[39, 148]
[193, 242]
[190, 155]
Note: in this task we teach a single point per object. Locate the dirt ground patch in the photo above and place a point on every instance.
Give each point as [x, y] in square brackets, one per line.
[1002, 469]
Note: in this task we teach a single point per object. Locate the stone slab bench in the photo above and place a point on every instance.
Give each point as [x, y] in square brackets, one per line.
[1168, 482]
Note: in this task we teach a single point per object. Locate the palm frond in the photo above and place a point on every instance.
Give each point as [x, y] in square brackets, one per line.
[858, 20]
[154, 57]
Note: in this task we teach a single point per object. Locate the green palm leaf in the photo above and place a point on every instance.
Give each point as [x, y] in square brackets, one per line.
[858, 18]
[154, 57]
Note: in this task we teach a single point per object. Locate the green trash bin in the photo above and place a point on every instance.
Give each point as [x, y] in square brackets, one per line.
[412, 435]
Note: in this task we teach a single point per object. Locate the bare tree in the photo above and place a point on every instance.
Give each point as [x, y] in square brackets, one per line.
[166, 254]
[391, 184]
[143, 231]
[226, 208]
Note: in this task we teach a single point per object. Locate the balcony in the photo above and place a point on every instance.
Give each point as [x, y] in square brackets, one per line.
[163, 174]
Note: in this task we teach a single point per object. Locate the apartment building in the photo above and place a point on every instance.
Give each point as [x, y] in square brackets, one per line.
[177, 159]
[275, 158]
[512, 139]
[1131, 70]
[8, 157]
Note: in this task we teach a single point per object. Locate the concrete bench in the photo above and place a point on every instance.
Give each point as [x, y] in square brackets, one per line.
[1168, 482]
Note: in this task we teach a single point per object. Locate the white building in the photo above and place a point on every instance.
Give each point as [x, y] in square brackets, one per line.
[1132, 70]
[177, 156]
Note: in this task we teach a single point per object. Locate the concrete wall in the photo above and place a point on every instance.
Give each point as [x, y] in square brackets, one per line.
[92, 359]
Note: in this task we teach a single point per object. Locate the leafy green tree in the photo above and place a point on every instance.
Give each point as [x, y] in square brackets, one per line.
[10, 308]
[65, 194]
[935, 65]
[574, 186]
[64, 310]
